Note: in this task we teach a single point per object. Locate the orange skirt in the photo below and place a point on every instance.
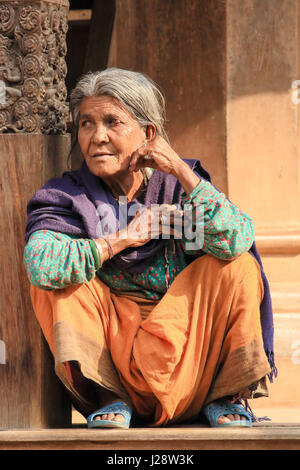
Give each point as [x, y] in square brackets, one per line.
[200, 342]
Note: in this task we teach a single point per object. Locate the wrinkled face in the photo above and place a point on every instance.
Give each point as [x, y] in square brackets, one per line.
[107, 135]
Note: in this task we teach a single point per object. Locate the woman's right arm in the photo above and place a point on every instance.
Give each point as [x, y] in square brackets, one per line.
[54, 260]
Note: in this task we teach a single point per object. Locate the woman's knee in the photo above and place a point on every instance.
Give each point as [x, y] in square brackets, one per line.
[240, 263]
[235, 270]
[245, 264]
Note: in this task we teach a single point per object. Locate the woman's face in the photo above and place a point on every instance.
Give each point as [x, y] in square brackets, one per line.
[107, 135]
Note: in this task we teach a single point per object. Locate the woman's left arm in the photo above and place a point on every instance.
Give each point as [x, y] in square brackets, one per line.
[227, 231]
[219, 227]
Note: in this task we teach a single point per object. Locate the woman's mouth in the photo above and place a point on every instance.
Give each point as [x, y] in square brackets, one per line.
[102, 155]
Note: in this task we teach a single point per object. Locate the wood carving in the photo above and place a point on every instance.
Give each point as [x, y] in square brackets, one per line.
[33, 67]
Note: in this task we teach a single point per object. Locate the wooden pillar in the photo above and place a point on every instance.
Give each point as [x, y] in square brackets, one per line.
[33, 148]
[180, 44]
[227, 69]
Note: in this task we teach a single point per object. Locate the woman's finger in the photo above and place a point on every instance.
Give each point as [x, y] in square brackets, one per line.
[159, 221]
[171, 214]
[151, 154]
[145, 160]
[137, 158]
[133, 160]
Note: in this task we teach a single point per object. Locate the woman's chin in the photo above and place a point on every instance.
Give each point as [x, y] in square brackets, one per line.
[103, 167]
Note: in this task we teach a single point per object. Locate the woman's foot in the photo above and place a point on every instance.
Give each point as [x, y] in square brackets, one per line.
[224, 412]
[111, 417]
[232, 417]
[106, 398]
[227, 418]
[117, 414]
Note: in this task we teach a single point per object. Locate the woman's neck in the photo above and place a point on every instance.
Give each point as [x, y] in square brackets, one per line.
[125, 185]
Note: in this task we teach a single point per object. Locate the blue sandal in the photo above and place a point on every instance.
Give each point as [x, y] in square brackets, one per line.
[214, 410]
[119, 408]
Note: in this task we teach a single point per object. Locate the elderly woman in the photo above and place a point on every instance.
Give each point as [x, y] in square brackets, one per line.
[144, 277]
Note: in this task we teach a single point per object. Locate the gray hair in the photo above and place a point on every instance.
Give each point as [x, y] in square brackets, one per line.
[134, 90]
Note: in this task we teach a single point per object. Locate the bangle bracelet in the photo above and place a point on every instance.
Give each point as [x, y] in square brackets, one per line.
[110, 250]
[100, 252]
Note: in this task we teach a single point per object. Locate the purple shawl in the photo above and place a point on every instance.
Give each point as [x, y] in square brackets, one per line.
[80, 204]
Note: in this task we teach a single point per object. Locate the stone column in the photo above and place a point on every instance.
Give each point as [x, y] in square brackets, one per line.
[33, 148]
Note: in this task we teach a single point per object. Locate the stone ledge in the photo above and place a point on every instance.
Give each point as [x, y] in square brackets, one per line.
[262, 436]
[278, 242]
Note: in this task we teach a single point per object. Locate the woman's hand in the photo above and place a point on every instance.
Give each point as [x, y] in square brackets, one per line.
[158, 154]
[150, 223]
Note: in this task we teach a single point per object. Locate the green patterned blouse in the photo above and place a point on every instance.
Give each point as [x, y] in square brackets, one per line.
[55, 260]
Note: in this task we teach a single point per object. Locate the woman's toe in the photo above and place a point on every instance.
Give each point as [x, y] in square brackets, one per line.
[120, 418]
[230, 417]
[223, 420]
[111, 417]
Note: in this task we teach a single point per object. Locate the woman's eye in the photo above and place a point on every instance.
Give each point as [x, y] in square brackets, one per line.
[113, 121]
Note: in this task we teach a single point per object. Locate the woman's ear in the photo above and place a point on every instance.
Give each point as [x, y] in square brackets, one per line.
[150, 131]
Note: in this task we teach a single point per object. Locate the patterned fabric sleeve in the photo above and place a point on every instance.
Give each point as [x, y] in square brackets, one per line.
[221, 229]
[54, 260]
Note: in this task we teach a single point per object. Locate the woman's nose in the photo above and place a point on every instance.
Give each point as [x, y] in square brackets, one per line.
[100, 135]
